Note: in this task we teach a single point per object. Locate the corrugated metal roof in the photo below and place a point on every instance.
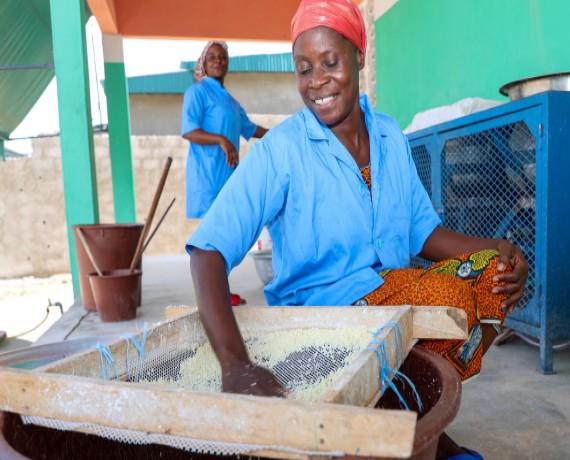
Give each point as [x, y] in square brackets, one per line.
[270, 63]
[175, 82]
[26, 59]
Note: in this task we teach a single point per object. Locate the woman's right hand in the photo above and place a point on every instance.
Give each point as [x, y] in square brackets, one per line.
[232, 156]
[250, 379]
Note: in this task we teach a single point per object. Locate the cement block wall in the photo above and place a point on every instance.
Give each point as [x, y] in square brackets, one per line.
[274, 93]
[33, 231]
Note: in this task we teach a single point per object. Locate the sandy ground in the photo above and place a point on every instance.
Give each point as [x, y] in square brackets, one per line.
[24, 312]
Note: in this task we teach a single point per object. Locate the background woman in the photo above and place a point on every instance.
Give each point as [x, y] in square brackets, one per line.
[212, 120]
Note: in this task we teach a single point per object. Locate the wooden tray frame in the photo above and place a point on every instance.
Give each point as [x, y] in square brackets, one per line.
[72, 390]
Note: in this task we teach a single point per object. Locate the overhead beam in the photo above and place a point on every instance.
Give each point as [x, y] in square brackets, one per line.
[257, 20]
[197, 19]
[104, 11]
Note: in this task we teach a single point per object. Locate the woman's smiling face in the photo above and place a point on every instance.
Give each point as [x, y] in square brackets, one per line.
[326, 68]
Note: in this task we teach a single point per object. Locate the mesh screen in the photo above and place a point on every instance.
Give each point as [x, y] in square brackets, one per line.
[305, 361]
[489, 187]
[422, 161]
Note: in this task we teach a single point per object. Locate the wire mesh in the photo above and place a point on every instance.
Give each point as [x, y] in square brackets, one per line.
[422, 160]
[488, 187]
[305, 361]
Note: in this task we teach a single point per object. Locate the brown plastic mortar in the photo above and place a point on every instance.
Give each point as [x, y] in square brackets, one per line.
[116, 294]
[113, 246]
[435, 379]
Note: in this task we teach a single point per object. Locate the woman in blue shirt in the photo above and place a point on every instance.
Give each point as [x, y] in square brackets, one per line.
[338, 190]
[212, 120]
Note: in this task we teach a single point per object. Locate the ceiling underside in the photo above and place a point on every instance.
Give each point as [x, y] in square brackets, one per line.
[258, 20]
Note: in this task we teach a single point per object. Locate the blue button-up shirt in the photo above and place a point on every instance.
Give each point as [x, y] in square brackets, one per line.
[330, 235]
[209, 106]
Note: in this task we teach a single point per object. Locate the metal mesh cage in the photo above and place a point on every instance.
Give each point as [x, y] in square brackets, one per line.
[422, 160]
[489, 187]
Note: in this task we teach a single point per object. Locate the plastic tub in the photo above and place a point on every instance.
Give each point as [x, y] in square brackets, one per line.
[113, 246]
[116, 294]
[435, 379]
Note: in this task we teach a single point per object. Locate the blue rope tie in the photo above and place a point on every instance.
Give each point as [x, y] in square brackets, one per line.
[139, 346]
[106, 358]
[386, 372]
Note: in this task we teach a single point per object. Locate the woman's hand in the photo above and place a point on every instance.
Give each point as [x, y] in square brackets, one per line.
[251, 380]
[232, 156]
[514, 281]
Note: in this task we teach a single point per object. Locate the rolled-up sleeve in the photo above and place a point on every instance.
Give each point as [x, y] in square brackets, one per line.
[247, 126]
[252, 196]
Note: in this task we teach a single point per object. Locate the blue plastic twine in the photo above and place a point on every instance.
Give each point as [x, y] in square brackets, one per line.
[386, 372]
[139, 346]
[107, 361]
[106, 357]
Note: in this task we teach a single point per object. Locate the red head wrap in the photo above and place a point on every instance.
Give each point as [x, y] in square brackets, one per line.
[343, 16]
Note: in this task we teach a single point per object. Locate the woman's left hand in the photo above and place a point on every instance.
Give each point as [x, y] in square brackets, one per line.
[514, 281]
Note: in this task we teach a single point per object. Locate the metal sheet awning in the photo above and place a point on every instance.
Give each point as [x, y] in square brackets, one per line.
[26, 59]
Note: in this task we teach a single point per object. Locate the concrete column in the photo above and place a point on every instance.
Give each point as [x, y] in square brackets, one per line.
[68, 18]
[119, 129]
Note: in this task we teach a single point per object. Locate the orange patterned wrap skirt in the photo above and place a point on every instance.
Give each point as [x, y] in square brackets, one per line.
[465, 282]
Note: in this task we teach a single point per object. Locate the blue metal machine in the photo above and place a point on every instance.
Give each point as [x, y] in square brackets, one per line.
[505, 173]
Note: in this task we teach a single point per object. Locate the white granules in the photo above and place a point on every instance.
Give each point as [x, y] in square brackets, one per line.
[306, 361]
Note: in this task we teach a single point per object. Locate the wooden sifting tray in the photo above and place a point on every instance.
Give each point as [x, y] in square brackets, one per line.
[341, 421]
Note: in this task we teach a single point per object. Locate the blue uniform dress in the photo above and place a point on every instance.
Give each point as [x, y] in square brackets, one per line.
[208, 106]
[330, 236]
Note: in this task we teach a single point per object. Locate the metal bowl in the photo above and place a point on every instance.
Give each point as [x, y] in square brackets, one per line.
[263, 265]
[528, 86]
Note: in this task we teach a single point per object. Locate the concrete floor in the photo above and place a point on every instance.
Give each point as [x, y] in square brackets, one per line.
[510, 412]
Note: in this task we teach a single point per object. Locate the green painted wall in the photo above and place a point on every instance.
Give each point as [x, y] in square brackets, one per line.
[431, 53]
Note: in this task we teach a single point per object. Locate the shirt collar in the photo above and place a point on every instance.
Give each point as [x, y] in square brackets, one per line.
[317, 131]
[212, 81]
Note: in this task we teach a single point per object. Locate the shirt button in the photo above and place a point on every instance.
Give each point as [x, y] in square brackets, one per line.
[362, 189]
[378, 243]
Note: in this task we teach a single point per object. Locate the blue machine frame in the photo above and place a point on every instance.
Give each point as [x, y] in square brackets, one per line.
[505, 173]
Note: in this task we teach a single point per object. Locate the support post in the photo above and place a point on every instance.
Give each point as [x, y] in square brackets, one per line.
[68, 19]
[119, 129]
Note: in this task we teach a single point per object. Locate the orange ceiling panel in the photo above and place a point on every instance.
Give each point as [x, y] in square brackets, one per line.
[196, 19]
[259, 20]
